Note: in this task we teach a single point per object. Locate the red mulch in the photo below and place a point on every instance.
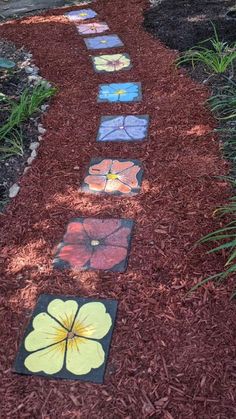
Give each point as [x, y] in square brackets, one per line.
[172, 356]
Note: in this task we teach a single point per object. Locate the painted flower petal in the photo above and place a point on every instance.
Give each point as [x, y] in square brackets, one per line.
[137, 132]
[101, 168]
[129, 176]
[106, 257]
[63, 311]
[96, 183]
[135, 121]
[113, 123]
[119, 238]
[83, 355]
[75, 233]
[76, 255]
[115, 185]
[46, 332]
[118, 166]
[49, 360]
[92, 321]
[113, 134]
[99, 229]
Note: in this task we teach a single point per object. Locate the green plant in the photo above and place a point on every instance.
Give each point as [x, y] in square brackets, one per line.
[29, 102]
[217, 58]
[13, 144]
[227, 235]
[224, 103]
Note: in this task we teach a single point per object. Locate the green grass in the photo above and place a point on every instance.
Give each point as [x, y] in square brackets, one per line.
[224, 103]
[216, 59]
[29, 102]
[226, 240]
[11, 142]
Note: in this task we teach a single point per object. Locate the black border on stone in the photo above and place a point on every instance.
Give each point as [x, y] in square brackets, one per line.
[120, 267]
[96, 375]
[138, 99]
[110, 117]
[113, 71]
[135, 191]
[87, 41]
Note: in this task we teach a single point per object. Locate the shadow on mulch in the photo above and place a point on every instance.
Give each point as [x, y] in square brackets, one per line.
[171, 355]
[182, 24]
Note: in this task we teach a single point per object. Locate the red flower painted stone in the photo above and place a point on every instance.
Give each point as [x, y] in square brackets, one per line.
[91, 243]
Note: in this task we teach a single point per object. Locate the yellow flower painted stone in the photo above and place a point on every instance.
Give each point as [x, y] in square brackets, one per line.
[110, 63]
[68, 339]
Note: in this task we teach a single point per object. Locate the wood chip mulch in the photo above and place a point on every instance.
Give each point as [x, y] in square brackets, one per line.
[173, 355]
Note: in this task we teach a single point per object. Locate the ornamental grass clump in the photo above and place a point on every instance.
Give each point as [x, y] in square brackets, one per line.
[216, 59]
[224, 103]
[226, 240]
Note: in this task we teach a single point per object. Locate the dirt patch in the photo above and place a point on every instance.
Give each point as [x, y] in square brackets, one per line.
[172, 355]
[182, 24]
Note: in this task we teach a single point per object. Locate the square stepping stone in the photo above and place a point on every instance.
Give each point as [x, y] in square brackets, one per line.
[105, 41]
[82, 14]
[92, 28]
[92, 243]
[113, 176]
[111, 63]
[67, 337]
[120, 92]
[123, 128]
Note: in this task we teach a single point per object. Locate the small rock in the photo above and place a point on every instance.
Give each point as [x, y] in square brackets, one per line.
[34, 146]
[34, 78]
[30, 160]
[41, 130]
[33, 154]
[76, 168]
[29, 70]
[13, 191]
[40, 137]
[44, 107]
[25, 170]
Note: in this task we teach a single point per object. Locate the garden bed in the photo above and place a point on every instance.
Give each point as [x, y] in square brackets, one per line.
[181, 24]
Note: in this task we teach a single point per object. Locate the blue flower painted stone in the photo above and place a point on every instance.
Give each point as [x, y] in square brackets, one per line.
[123, 128]
[120, 92]
[105, 41]
[82, 14]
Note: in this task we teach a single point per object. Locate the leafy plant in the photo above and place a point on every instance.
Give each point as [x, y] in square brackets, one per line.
[224, 103]
[30, 101]
[217, 59]
[227, 235]
[13, 144]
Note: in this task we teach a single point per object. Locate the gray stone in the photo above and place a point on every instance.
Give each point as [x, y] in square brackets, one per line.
[13, 191]
[41, 130]
[33, 154]
[34, 146]
[30, 160]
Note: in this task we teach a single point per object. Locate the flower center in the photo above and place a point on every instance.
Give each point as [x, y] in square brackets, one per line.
[120, 92]
[103, 42]
[95, 242]
[83, 14]
[111, 176]
[121, 127]
[70, 335]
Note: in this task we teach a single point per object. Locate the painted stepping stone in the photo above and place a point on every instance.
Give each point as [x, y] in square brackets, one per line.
[105, 41]
[91, 243]
[123, 128]
[116, 177]
[82, 14]
[92, 28]
[120, 92]
[5, 63]
[110, 63]
[67, 337]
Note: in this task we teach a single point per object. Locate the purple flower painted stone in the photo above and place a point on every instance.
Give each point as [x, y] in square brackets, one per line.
[92, 28]
[105, 41]
[82, 14]
[123, 128]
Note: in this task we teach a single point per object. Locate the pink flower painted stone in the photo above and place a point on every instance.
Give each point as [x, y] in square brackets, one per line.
[92, 28]
[113, 177]
[92, 243]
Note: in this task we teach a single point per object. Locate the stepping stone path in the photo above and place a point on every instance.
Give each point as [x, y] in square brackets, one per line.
[70, 337]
